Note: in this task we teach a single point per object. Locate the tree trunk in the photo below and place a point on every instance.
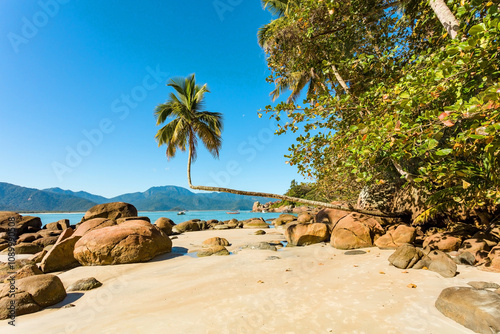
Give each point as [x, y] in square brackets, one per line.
[446, 17]
[288, 198]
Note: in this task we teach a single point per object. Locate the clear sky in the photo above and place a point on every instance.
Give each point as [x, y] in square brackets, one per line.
[79, 81]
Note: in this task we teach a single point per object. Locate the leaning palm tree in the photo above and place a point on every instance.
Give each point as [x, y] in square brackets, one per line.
[190, 123]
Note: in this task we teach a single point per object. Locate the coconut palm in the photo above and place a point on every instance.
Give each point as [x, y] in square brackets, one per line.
[190, 123]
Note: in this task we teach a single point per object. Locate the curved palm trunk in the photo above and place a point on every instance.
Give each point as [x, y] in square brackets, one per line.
[446, 17]
[288, 198]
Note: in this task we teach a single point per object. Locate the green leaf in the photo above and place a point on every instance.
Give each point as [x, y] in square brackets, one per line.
[477, 29]
[444, 151]
[452, 51]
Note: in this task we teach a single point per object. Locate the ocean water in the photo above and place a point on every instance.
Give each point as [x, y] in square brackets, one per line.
[75, 218]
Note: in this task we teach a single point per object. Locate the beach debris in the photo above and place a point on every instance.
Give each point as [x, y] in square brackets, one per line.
[411, 286]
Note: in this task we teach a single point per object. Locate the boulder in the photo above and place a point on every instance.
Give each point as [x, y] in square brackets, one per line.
[49, 233]
[255, 206]
[23, 224]
[406, 256]
[32, 294]
[283, 219]
[4, 220]
[113, 211]
[132, 241]
[305, 217]
[38, 257]
[92, 225]
[27, 248]
[479, 285]
[478, 310]
[4, 245]
[493, 260]
[439, 262]
[465, 258]
[306, 234]
[213, 250]
[216, 241]
[394, 238]
[165, 225]
[259, 232]
[27, 270]
[187, 226]
[60, 257]
[46, 241]
[443, 242]
[474, 245]
[6, 270]
[84, 284]
[67, 233]
[330, 216]
[28, 237]
[60, 225]
[234, 223]
[221, 227]
[355, 231]
[255, 223]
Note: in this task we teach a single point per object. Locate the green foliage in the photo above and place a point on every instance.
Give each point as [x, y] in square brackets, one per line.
[418, 101]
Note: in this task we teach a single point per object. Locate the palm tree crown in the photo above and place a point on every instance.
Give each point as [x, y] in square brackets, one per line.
[189, 121]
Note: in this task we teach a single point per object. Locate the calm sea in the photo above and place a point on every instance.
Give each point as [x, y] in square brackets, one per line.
[75, 218]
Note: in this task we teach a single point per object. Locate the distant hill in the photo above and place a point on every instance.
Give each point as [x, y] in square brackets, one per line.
[165, 198]
[16, 198]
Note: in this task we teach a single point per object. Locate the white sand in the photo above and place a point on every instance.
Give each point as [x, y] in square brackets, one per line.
[313, 289]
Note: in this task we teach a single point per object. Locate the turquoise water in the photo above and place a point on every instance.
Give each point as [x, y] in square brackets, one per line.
[75, 218]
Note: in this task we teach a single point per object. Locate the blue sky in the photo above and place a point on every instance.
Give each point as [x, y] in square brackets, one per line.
[79, 81]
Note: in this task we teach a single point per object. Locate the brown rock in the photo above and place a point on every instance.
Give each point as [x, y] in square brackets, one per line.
[283, 219]
[27, 248]
[132, 241]
[4, 245]
[38, 257]
[443, 242]
[23, 224]
[331, 216]
[305, 217]
[439, 262]
[6, 270]
[49, 233]
[60, 257]
[26, 271]
[60, 225]
[216, 241]
[4, 219]
[406, 256]
[255, 223]
[396, 237]
[28, 237]
[355, 231]
[66, 234]
[124, 219]
[234, 223]
[46, 241]
[474, 245]
[85, 284]
[165, 224]
[113, 211]
[478, 310]
[46, 290]
[493, 263]
[24, 305]
[214, 250]
[306, 234]
[92, 225]
[190, 225]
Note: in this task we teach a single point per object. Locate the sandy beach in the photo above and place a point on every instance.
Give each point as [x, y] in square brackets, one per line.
[312, 289]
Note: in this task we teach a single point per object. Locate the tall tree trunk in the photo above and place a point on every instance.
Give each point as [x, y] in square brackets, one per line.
[288, 198]
[446, 17]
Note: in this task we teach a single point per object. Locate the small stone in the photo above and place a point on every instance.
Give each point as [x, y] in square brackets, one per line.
[69, 306]
[273, 258]
[84, 284]
[260, 232]
[354, 252]
[411, 286]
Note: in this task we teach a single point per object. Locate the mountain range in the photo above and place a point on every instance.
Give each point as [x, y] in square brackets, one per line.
[165, 198]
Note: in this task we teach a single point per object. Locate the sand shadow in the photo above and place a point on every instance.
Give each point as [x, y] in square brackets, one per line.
[70, 298]
[176, 252]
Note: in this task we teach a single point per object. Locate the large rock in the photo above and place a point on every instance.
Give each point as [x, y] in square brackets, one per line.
[165, 224]
[216, 241]
[23, 224]
[330, 216]
[27, 248]
[27, 270]
[6, 270]
[58, 225]
[187, 226]
[406, 256]
[305, 217]
[478, 310]
[283, 219]
[439, 262]
[396, 237]
[113, 211]
[306, 234]
[493, 260]
[124, 219]
[28, 237]
[92, 225]
[443, 242]
[60, 257]
[132, 241]
[213, 250]
[255, 223]
[355, 231]
[46, 241]
[32, 294]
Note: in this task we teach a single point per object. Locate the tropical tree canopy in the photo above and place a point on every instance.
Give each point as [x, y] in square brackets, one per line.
[421, 108]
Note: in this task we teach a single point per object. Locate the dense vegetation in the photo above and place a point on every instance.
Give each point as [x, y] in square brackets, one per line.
[394, 96]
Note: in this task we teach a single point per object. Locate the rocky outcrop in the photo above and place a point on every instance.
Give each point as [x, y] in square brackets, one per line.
[113, 211]
[132, 241]
[396, 237]
[23, 224]
[216, 241]
[355, 231]
[33, 293]
[306, 234]
[478, 310]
